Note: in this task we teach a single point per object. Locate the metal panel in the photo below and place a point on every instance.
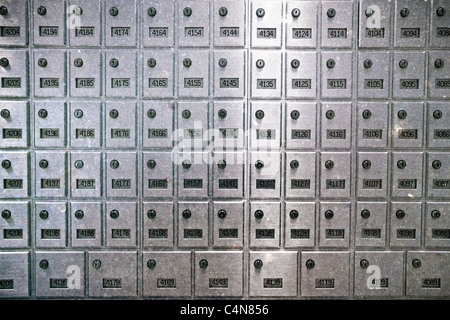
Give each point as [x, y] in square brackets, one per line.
[437, 225]
[265, 23]
[300, 218]
[51, 174]
[334, 225]
[374, 23]
[49, 25]
[157, 23]
[438, 175]
[121, 224]
[85, 125]
[228, 174]
[266, 125]
[372, 125]
[409, 75]
[193, 73]
[371, 224]
[14, 75]
[14, 124]
[15, 225]
[120, 23]
[406, 222]
[49, 124]
[86, 223]
[229, 25]
[407, 171]
[157, 123]
[193, 226]
[373, 75]
[86, 73]
[439, 30]
[14, 274]
[337, 24]
[438, 74]
[158, 174]
[121, 73]
[14, 23]
[335, 175]
[407, 125]
[372, 175]
[158, 222]
[301, 74]
[121, 119]
[301, 124]
[86, 175]
[50, 73]
[300, 179]
[158, 78]
[301, 24]
[265, 174]
[193, 174]
[229, 126]
[336, 126]
[411, 23]
[266, 68]
[51, 224]
[336, 70]
[265, 224]
[192, 119]
[438, 116]
[14, 174]
[193, 23]
[84, 23]
[121, 174]
[228, 224]
[229, 73]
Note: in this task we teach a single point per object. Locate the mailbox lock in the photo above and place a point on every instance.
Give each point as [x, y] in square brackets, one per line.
[79, 214]
[439, 63]
[329, 164]
[293, 214]
[437, 114]
[260, 63]
[151, 11]
[367, 114]
[259, 164]
[435, 214]
[113, 113]
[151, 264]
[3, 10]
[151, 164]
[186, 114]
[366, 164]
[258, 264]
[367, 63]
[43, 214]
[223, 62]
[186, 164]
[329, 114]
[331, 63]
[151, 214]
[416, 263]
[260, 12]
[221, 164]
[43, 264]
[310, 264]
[114, 214]
[43, 164]
[401, 164]
[259, 214]
[96, 264]
[364, 263]
[222, 113]
[186, 214]
[114, 63]
[6, 164]
[403, 64]
[331, 13]
[296, 12]
[78, 164]
[113, 11]
[404, 12]
[295, 63]
[114, 164]
[203, 264]
[151, 62]
[187, 62]
[402, 114]
[6, 214]
[78, 11]
[436, 164]
[42, 62]
[440, 11]
[294, 164]
[369, 12]
[41, 10]
[187, 11]
[259, 114]
[329, 214]
[400, 214]
[4, 62]
[78, 113]
[295, 114]
[365, 214]
[42, 113]
[151, 113]
[5, 113]
[223, 11]
[222, 214]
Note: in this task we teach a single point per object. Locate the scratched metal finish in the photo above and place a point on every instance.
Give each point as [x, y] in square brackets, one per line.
[155, 149]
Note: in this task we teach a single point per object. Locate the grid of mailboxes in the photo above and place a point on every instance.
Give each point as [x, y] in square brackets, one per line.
[135, 134]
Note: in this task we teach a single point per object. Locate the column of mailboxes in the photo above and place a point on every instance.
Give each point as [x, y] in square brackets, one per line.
[92, 73]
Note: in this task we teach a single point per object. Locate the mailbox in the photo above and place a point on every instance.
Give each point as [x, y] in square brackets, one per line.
[265, 218]
[411, 23]
[14, 174]
[228, 224]
[337, 24]
[14, 275]
[157, 122]
[301, 75]
[49, 28]
[335, 175]
[334, 224]
[438, 175]
[14, 123]
[121, 73]
[407, 174]
[336, 126]
[372, 174]
[409, 75]
[265, 174]
[300, 125]
[229, 23]
[437, 225]
[372, 125]
[336, 70]
[193, 124]
[193, 73]
[14, 225]
[49, 124]
[158, 220]
[120, 23]
[266, 125]
[374, 23]
[121, 120]
[84, 23]
[14, 27]
[373, 75]
[301, 24]
[266, 74]
[51, 224]
[229, 124]
[438, 129]
[50, 174]
[86, 73]
[300, 219]
[370, 224]
[121, 174]
[438, 75]
[50, 73]
[121, 224]
[85, 125]
[407, 125]
[193, 174]
[14, 73]
[440, 21]
[158, 74]
[229, 73]
[300, 175]
[157, 23]
[193, 23]
[86, 176]
[158, 174]
[265, 24]
[193, 226]
[86, 224]
[228, 174]
[406, 222]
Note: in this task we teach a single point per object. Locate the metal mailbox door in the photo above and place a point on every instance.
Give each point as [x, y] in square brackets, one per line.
[334, 225]
[60, 274]
[409, 75]
[193, 23]
[372, 125]
[86, 175]
[121, 120]
[14, 26]
[228, 224]
[193, 174]
[158, 174]
[14, 75]
[86, 73]
[192, 130]
[85, 125]
[157, 122]
[325, 274]
[437, 225]
[300, 219]
[50, 73]
[14, 225]
[228, 174]
[49, 26]
[335, 174]
[14, 274]
[121, 73]
[265, 17]
[265, 224]
[372, 174]
[301, 24]
[265, 174]
[407, 171]
[411, 23]
[49, 124]
[300, 175]
[84, 23]
[121, 224]
[301, 75]
[121, 174]
[86, 224]
[219, 274]
[407, 125]
[300, 125]
[112, 274]
[158, 222]
[371, 224]
[389, 282]
[14, 175]
[120, 23]
[266, 125]
[337, 24]
[229, 124]
[438, 175]
[374, 23]
[14, 125]
[439, 30]
[51, 224]
[157, 23]
[438, 74]
[406, 221]
[438, 125]
[266, 74]
[158, 74]
[163, 278]
[374, 75]
[336, 73]
[193, 226]
[193, 73]
[229, 23]
[50, 174]
[336, 126]
[273, 274]
[229, 73]
[427, 273]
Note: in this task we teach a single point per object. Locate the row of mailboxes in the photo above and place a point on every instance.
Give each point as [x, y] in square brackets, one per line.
[221, 224]
[223, 125]
[89, 23]
[166, 74]
[221, 174]
[221, 274]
